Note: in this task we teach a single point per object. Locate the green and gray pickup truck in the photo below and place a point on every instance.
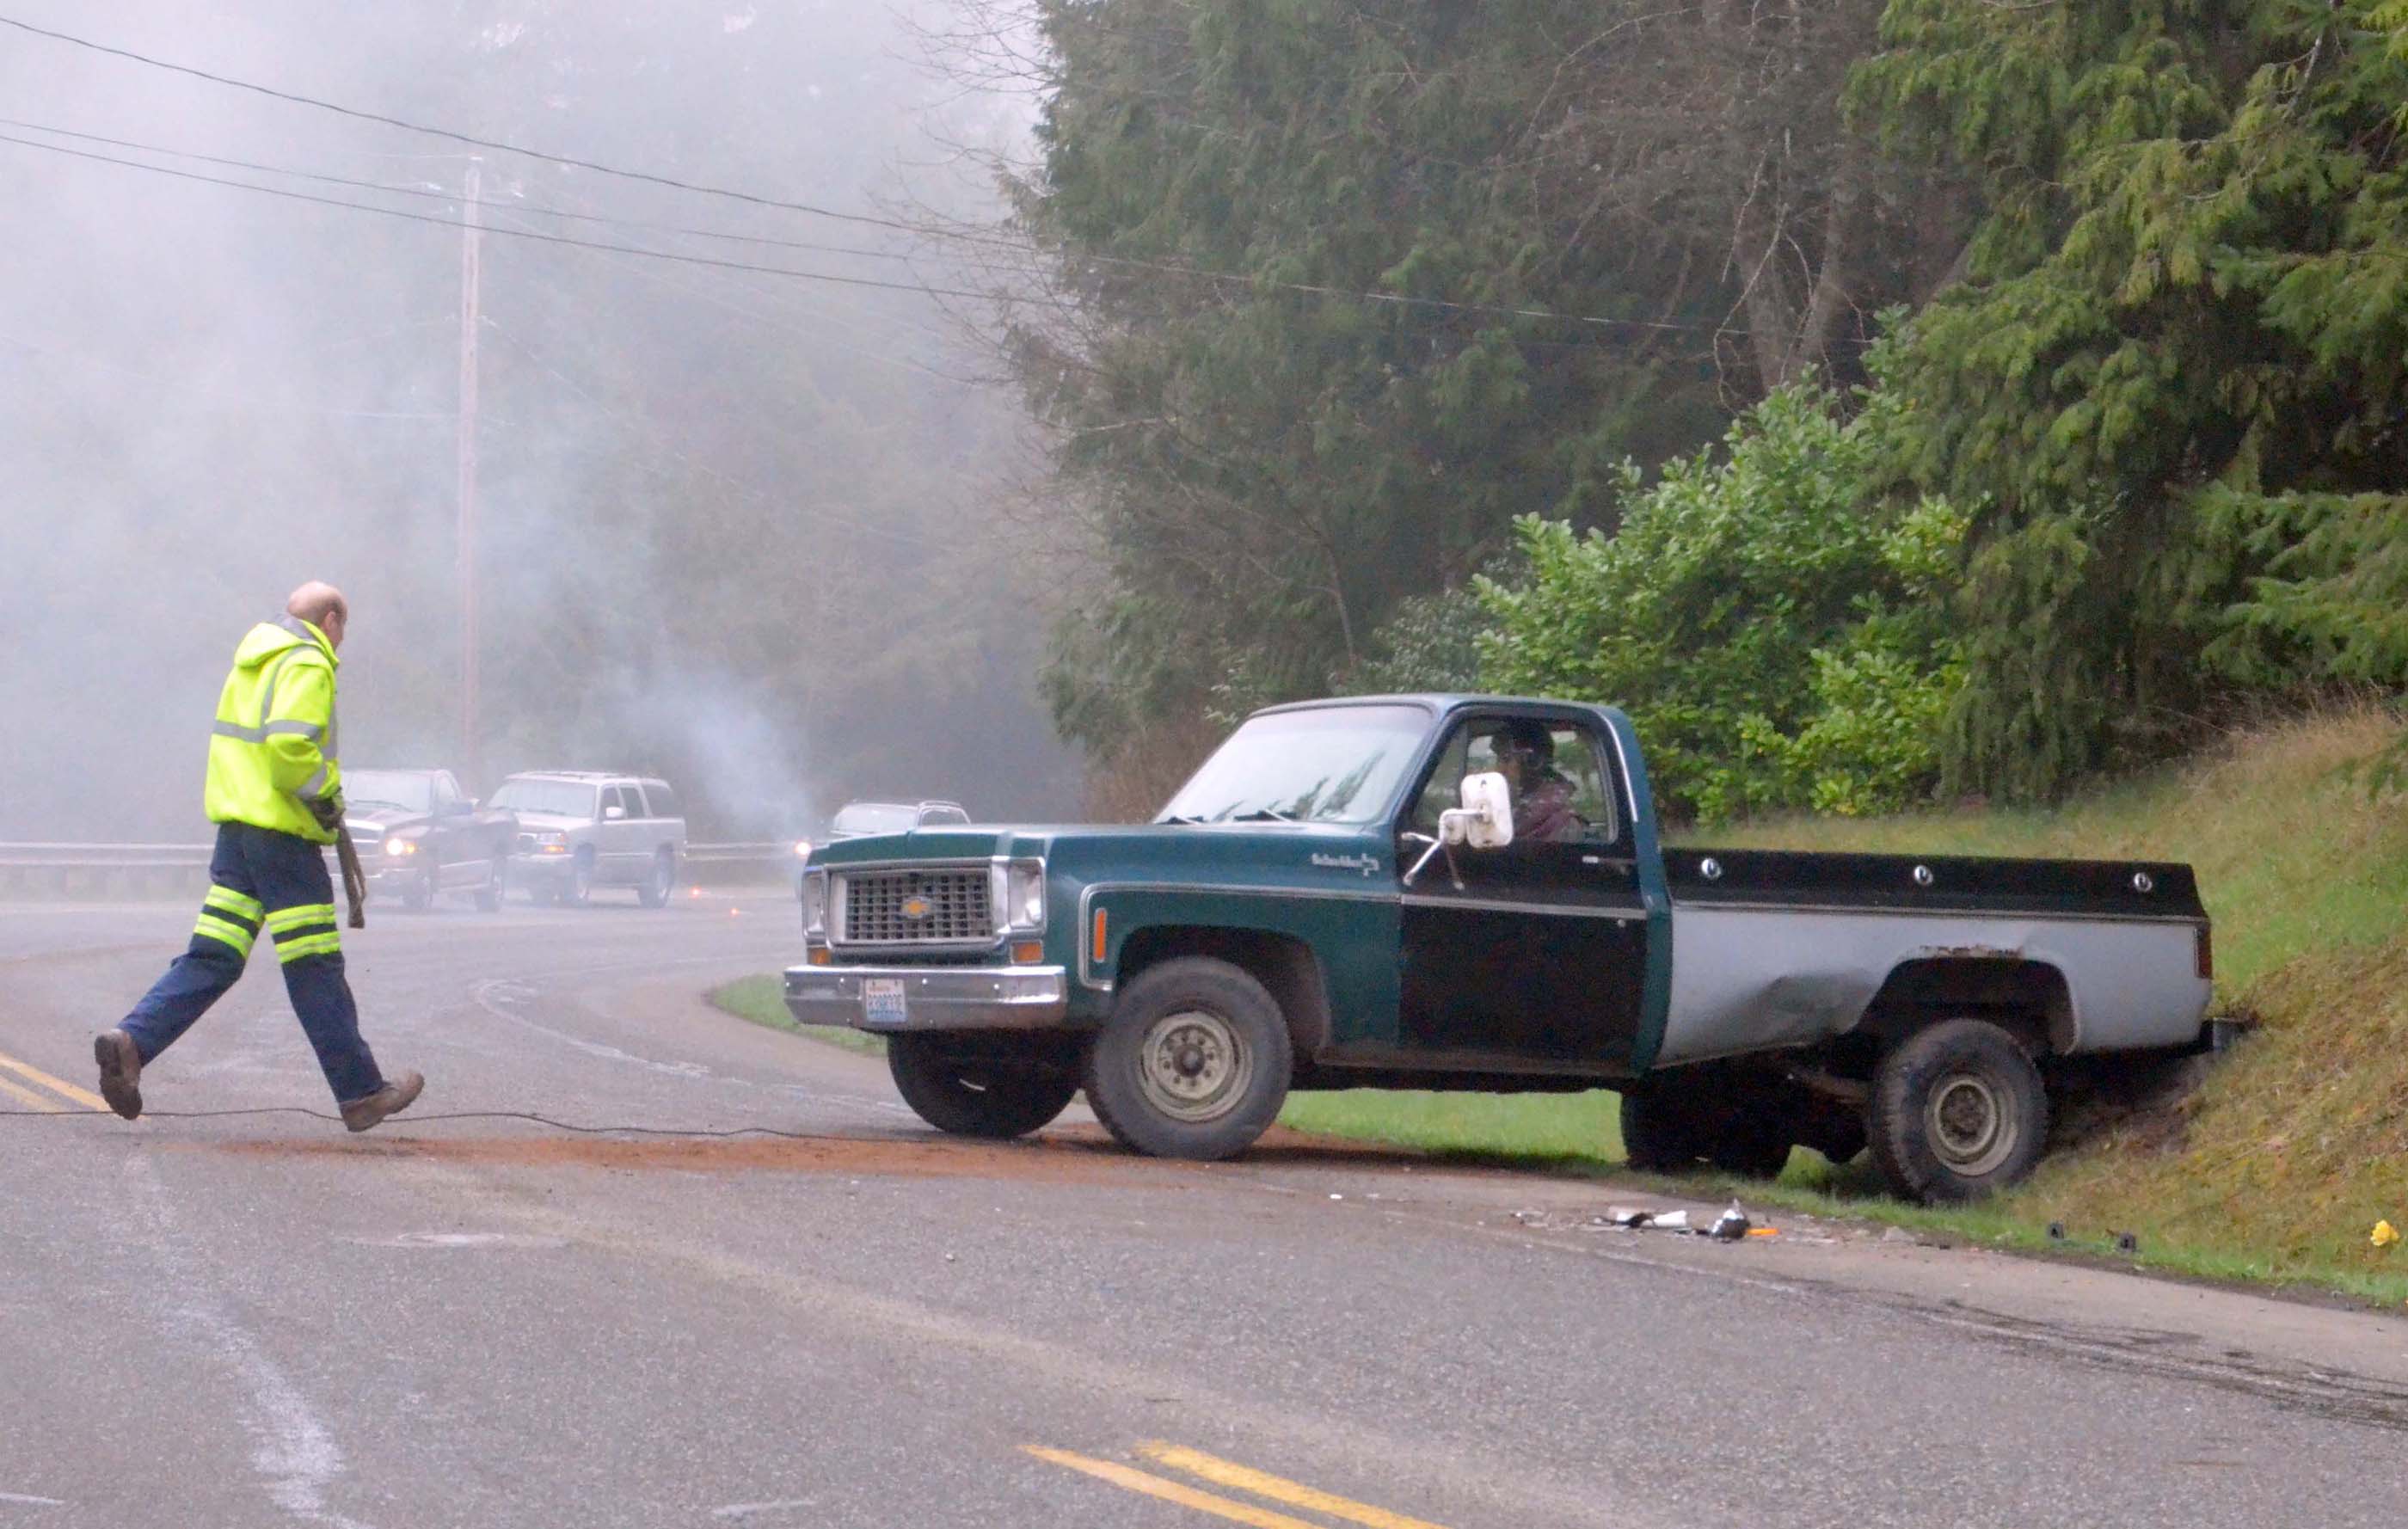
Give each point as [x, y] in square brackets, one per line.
[1467, 893]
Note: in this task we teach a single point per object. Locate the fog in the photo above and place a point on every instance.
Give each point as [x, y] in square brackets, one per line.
[737, 529]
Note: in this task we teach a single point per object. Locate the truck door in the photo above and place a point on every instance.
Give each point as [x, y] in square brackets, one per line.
[1538, 955]
[443, 829]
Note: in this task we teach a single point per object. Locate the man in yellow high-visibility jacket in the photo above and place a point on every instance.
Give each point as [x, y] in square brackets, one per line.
[276, 793]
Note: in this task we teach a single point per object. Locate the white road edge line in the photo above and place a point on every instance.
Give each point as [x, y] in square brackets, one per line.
[294, 1453]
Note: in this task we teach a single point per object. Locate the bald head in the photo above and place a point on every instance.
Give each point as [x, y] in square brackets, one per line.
[321, 605]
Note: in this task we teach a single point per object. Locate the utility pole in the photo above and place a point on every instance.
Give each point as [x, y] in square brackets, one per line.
[471, 279]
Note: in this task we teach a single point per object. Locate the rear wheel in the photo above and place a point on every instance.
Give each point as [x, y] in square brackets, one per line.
[970, 1096]
[659, 881]
[1958, 1112]
[1193, 1063]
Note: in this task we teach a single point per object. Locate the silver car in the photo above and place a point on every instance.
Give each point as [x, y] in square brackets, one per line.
[579, 830]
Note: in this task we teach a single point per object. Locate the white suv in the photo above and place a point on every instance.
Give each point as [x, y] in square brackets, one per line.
[579, 830]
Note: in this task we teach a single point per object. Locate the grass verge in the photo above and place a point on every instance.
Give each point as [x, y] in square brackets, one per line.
[762, 1000]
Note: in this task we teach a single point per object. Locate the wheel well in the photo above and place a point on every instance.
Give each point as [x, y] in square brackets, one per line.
[1284, 965]
[2030, 999]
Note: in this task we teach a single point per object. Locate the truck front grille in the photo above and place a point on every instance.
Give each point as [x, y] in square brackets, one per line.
[940, 905]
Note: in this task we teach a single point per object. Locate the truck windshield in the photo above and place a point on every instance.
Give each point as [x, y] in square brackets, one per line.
[1332, 765]
[548, 798]
[858, 818]
[388, 787]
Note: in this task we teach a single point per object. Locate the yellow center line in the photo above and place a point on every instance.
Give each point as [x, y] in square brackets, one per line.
[29, 1096]
[1170, 1491]
[59, 1086]
[1227, 1474]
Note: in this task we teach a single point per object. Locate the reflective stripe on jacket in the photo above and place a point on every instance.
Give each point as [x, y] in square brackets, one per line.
[272, 751]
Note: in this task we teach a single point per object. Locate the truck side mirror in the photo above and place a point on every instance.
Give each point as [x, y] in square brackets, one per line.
[612, 814]
[1485, 819]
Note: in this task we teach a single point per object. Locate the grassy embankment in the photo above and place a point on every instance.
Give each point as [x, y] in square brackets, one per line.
[2282, 1163]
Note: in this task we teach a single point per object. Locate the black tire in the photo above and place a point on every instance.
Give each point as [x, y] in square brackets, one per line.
[418, 894]
[1958, 1112]
[967, 1097]
[660, 881]
[489, 896]
[577, 890]
[1660, 1132]
[1755, 1146]
[1193, 1063]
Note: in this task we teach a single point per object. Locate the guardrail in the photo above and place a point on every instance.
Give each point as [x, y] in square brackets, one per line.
[110, 872]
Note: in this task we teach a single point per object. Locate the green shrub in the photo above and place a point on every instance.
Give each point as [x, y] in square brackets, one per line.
[1775, 625]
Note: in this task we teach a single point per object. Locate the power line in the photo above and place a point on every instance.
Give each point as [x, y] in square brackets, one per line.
[408, 126]
[442, 195]
[508, 233]
[1166, 267]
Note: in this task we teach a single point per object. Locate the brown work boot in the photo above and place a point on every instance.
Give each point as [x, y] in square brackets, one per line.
[399, 1094]
[120, 1072]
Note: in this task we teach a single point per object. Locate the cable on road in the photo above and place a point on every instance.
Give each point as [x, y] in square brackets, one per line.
[690, 1133]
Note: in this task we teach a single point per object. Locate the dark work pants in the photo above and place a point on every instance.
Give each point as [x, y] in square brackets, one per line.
[263, 880]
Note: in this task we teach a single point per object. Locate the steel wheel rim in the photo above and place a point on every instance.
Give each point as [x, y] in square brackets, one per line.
[1191, 1066]
[1970, 1124]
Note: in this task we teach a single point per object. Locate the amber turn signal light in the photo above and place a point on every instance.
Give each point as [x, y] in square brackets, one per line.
[821, 958]
[1028, 952]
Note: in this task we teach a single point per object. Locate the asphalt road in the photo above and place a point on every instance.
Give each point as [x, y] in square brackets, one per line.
[261, 1319]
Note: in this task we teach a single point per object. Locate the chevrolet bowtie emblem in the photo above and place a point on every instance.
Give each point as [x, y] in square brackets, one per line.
[916, 907]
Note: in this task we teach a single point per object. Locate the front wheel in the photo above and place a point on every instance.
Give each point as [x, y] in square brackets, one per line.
[418, 892]
[660, 881]
[1193, 1063]
[967, 1097]
[578, 890]
[489, 896]
[1958, 1112]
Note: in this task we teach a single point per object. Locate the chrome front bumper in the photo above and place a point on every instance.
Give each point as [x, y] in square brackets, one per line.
[933, 997]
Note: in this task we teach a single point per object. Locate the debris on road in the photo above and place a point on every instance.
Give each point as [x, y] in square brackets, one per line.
[2384, 1234]
[1731, 1225]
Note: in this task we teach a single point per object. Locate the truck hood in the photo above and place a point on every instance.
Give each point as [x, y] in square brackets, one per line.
[381, 819]
[1286, 852]
[547, 823]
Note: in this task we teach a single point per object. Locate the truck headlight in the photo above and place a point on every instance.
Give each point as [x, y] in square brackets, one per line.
[1024, 895]
[398, 846]
[815, 901]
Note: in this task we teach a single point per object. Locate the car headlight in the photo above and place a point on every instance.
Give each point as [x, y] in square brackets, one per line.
[1024, 895]
[802, 849]
[550, 842]
[815, 901]
[398, 846]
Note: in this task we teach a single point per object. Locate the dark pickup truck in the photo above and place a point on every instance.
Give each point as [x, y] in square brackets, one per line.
[1467, 893]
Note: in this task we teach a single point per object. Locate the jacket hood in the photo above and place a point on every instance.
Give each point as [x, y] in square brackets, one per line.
[270, 640]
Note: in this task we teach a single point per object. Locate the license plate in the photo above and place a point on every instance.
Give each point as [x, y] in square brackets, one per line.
[882, 1002]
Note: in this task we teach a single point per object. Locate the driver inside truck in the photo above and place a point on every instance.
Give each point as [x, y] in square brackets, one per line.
[1542, 795]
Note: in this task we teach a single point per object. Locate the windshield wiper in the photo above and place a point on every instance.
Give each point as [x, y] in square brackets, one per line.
[1183, 817]
[1263, 814]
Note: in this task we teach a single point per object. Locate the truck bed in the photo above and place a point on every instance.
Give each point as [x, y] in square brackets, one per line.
[1777, 948]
